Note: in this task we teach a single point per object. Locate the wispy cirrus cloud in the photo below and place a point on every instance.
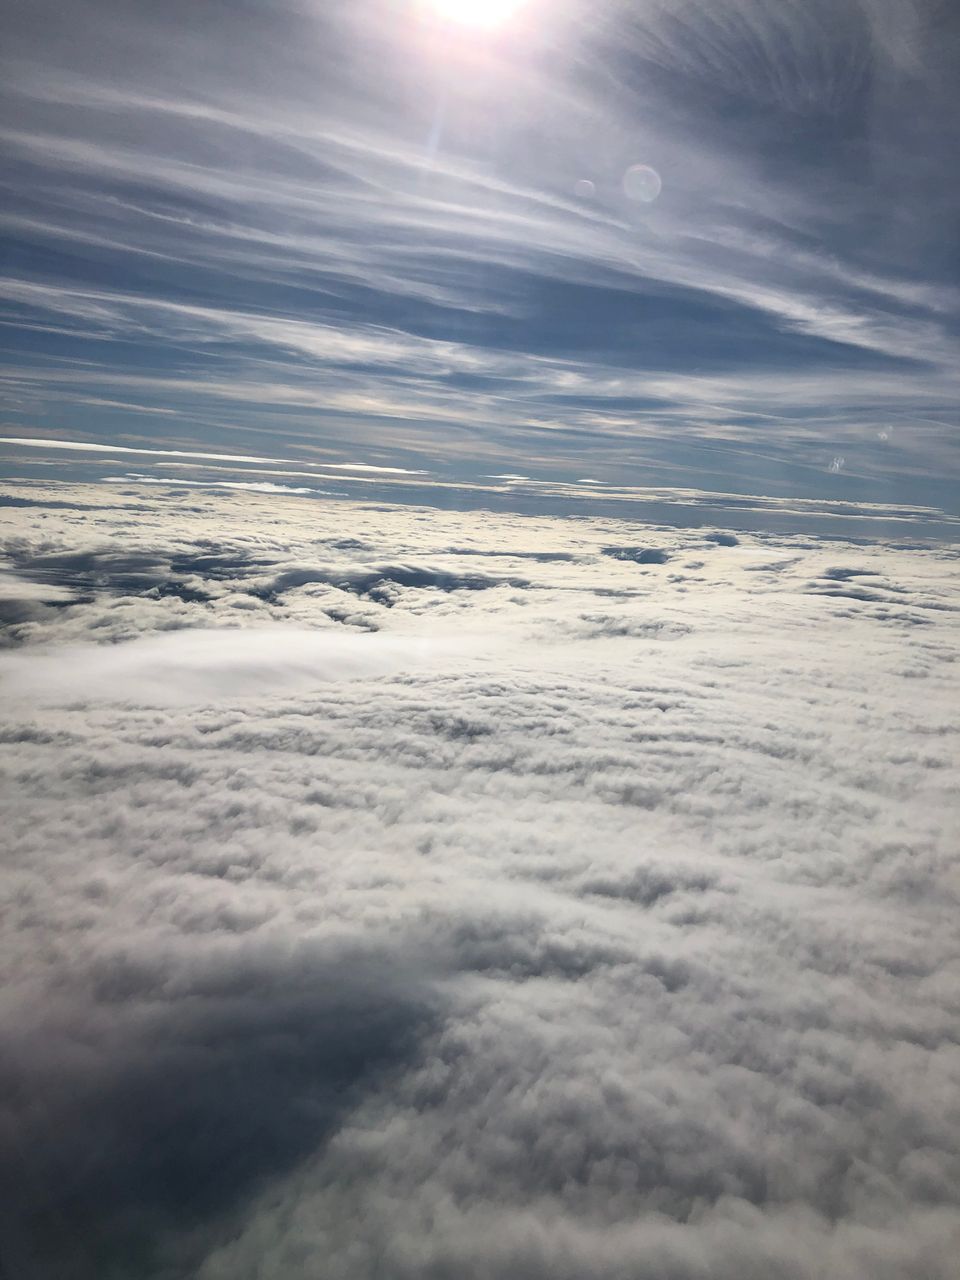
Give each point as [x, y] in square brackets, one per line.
[300, 245]
[86, 446]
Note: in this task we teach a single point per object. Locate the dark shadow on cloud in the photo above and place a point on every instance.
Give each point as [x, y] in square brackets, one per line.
[523, 949]
[885, 615]
[639, 555]
[73, 567]
[136, 1124]
[88, 574]
[878, 591]
[219, 566]
[593, 626]
[844, 575]
[8, 500]
[849, 593]
[379, 583]
[542, 557]
[648, 885]
[346, 544]
[359, 621]
[15, 612]
[120, 573]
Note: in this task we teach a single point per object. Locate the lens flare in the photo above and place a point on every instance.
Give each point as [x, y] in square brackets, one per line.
[485, 14]
[642, 183]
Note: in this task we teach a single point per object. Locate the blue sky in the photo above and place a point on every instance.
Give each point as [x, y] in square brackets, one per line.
[371, 232]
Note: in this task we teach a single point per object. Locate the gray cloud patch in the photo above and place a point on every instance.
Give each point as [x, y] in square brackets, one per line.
[380, 583]
[639, 555]
[158, 1101]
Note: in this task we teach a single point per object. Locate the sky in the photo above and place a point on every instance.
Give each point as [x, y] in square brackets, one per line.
[479, 640]
[687, 244]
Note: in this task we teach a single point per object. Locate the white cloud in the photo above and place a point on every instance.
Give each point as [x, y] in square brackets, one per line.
[597, 919]
[89, 446]
[193, 665]
[248, 486]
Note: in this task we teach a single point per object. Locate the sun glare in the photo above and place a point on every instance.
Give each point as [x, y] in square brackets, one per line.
[486, 14]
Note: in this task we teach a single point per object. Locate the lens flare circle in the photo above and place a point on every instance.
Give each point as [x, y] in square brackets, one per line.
[642, 183]
[484, 14]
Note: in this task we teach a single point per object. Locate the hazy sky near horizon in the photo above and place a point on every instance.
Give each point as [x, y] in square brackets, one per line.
[344, 230]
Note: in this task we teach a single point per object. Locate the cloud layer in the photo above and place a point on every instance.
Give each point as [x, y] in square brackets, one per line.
[598, 919]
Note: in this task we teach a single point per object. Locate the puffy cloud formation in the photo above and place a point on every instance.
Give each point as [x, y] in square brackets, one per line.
[410, 894]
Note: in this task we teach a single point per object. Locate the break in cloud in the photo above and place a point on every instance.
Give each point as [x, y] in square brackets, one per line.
[400, 893]
[305, 228]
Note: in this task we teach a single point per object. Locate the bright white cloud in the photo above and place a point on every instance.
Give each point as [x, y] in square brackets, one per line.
[597, 919]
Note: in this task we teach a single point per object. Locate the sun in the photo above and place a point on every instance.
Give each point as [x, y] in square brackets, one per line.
[485, 14]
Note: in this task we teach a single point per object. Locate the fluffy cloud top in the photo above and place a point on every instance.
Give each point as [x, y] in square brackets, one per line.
[597, 919]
